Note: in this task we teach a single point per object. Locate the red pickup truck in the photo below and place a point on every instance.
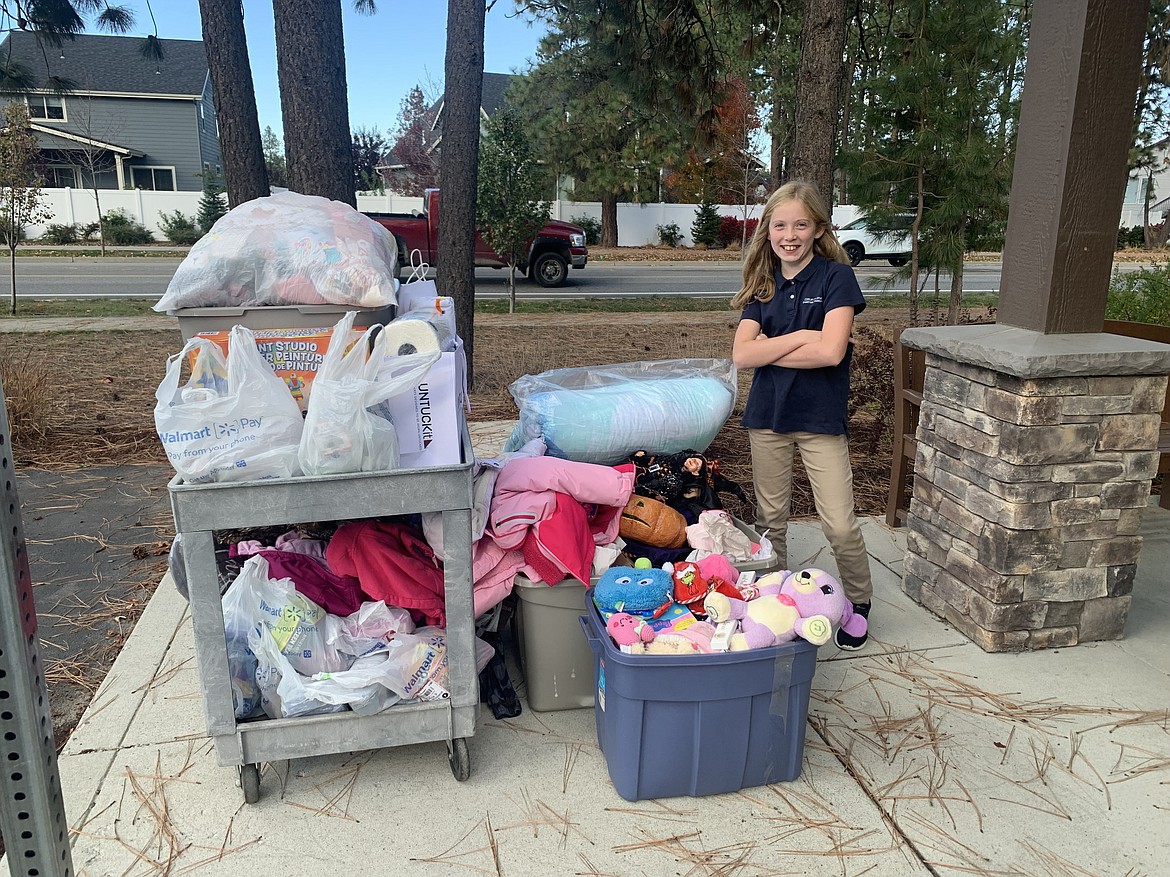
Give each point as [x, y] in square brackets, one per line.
[549, 255]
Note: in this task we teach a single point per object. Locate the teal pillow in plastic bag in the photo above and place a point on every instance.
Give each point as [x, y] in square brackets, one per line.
[602, 415]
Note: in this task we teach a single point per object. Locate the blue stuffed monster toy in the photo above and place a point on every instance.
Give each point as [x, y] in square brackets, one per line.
[644, 592]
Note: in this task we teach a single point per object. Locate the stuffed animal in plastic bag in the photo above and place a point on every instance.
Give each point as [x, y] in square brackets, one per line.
[770, 619]
[816, 594]
[645, 592]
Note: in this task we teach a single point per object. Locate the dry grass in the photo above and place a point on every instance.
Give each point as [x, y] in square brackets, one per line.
[28, 393]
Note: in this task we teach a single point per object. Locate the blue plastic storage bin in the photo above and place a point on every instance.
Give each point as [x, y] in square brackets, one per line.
[673, 725]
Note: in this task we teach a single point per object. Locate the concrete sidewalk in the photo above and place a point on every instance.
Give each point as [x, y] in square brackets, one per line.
[924, 755]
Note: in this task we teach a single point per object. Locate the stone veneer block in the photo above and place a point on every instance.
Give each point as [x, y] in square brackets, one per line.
[1104, 618]
[1035, 454]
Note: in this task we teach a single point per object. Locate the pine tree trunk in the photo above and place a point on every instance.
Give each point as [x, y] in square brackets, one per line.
[310, 65]
[235, 100]
[956, 302]
[818, 94]
[609, 227]
[459, 166]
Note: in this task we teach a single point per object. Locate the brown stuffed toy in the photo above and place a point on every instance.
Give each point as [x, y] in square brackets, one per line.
[653, 523]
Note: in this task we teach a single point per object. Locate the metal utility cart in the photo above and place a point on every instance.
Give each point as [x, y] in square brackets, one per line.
[200, 509]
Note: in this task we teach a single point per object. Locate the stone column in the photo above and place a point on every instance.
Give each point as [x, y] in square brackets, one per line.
[1035, 457]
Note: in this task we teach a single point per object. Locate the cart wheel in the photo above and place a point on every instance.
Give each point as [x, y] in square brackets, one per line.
[459, 758]
[250, 782]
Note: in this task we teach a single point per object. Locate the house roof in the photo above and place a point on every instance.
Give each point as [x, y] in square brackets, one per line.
[112, 64]
[493, 86]
[66, 140]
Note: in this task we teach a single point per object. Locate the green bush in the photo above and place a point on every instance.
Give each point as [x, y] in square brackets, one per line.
[705, 228]
[5, 238]
[1142, 296]
[121, 230]
[89, 230]
[60, 233]
[1131, 237]
[179, 229]
[592, 227]
[669, 235]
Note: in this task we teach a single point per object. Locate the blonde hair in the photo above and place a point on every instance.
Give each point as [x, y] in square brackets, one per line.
[760, 261]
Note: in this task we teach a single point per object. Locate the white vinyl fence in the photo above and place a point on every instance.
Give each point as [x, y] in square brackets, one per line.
[637, 223]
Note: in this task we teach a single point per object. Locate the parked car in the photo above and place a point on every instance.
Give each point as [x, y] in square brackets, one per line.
[864, 242]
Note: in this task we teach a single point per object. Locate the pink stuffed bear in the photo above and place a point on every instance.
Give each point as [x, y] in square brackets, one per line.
[774, 616]
[817, 594]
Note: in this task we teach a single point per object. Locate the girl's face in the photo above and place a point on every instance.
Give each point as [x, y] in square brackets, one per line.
[792, 232]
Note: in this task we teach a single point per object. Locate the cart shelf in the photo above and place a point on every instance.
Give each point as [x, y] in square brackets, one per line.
[201, 509]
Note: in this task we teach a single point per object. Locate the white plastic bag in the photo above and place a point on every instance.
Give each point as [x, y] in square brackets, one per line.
[368, 629]
[602, 414]
[238, 620]
[417, 665]
[287, 249]
[296, 624]
[234, 419]
[347, 427]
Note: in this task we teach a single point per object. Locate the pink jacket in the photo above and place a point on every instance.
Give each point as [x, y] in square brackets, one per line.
[557, 511]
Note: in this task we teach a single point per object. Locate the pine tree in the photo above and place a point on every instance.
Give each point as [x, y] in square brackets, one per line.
[274, 158]
[930, 144]
[508, 209]
[212, 205]
[235, 99]
[610, 143]
[705, 228]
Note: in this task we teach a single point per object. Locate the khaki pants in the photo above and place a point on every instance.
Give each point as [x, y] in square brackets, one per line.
[826, 460]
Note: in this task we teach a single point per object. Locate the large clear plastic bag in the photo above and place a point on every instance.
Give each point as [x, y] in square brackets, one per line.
[233, 420]
[287, 249]
[602, 414]
[347, 425]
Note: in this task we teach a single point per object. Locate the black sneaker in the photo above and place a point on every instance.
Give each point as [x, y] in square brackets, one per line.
[847, 641]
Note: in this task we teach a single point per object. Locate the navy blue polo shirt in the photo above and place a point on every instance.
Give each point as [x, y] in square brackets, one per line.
[803, 399]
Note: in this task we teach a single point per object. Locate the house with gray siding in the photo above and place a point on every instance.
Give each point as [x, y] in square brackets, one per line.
[126, 121]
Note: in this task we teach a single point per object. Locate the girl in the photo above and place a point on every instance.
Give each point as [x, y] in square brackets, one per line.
[799, 297]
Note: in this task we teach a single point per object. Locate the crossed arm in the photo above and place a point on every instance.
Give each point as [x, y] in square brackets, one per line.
[804, 348]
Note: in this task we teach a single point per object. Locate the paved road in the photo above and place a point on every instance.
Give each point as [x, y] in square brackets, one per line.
[143, 277]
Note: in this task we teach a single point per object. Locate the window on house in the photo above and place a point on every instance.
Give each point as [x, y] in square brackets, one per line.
[156, 179]
[46, 106]
[61, 176]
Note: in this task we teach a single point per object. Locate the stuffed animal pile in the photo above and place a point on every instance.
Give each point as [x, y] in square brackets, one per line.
[680, 609]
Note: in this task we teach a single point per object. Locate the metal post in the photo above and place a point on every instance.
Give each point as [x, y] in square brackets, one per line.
[32, 813]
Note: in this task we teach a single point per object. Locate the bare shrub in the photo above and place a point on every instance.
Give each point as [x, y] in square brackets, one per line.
[28, 394]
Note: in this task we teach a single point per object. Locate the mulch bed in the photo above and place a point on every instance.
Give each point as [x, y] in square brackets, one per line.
[84, 399]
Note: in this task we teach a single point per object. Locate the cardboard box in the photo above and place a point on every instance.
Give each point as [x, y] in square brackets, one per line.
[429, 417]
[294, 354]
[194, 321]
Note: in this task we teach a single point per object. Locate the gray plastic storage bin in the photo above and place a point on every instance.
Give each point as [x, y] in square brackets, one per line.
[192, 321]
[674, 725]
[555, 658]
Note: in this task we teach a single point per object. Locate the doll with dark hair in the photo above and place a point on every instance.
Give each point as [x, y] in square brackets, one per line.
[686, 480]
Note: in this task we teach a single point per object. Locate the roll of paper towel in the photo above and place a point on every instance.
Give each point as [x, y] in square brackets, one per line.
[418, 332]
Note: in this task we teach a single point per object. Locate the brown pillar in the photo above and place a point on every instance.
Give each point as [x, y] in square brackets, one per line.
[1076, 123]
